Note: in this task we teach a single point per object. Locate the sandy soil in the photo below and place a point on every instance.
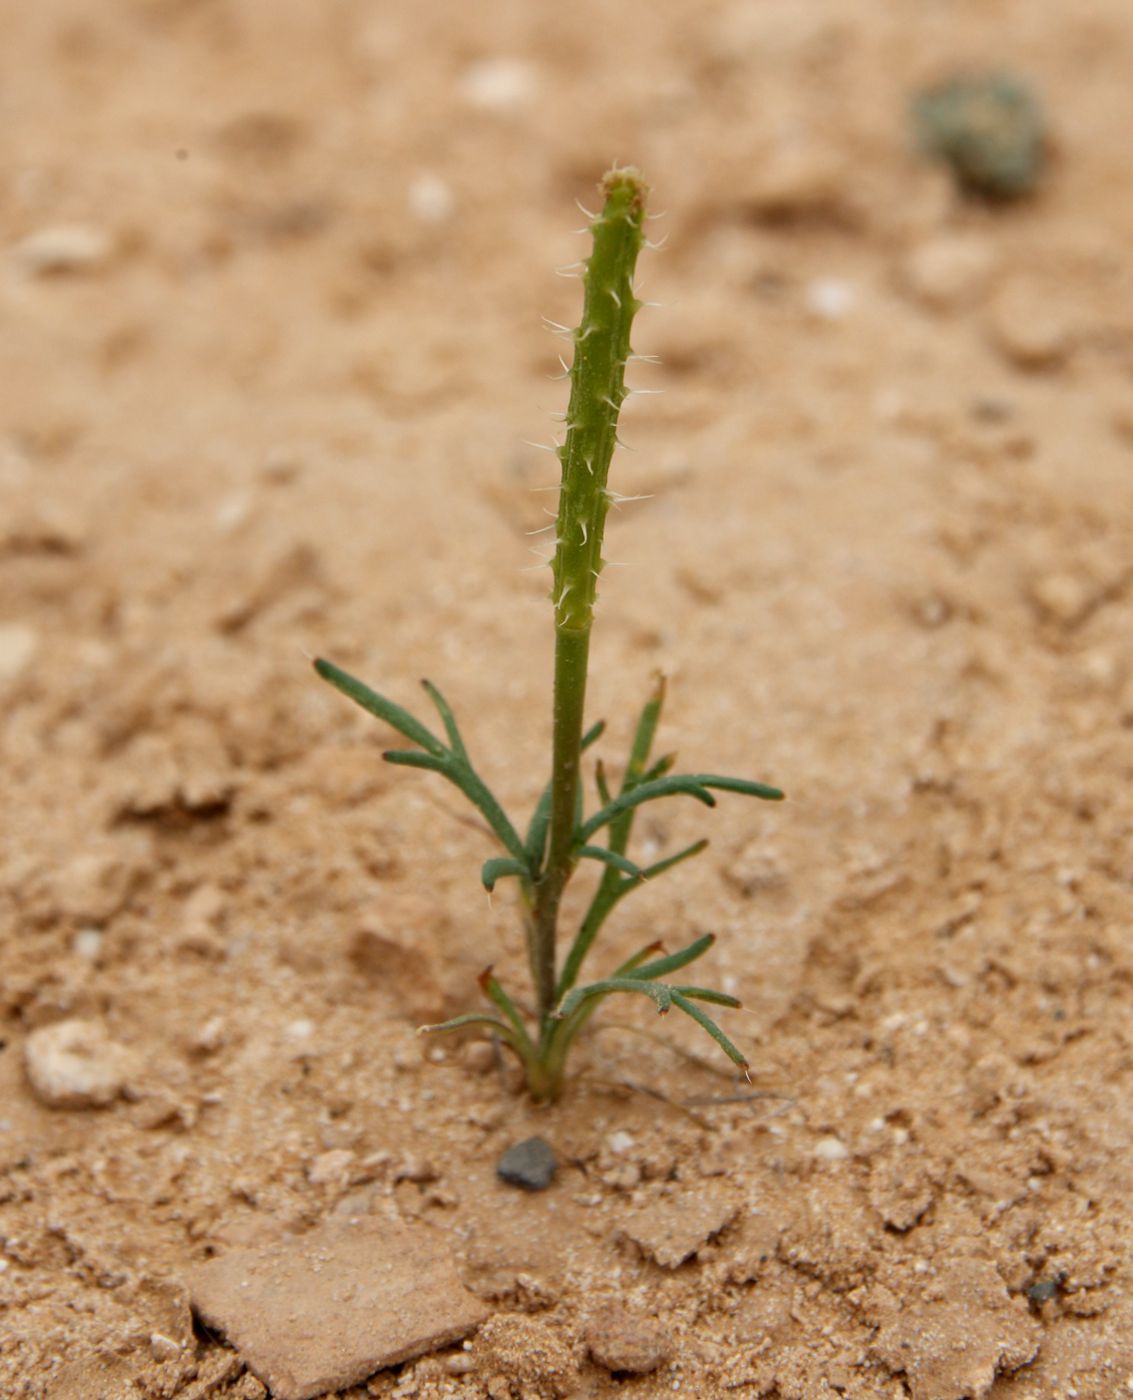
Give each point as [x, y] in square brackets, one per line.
[270, 351]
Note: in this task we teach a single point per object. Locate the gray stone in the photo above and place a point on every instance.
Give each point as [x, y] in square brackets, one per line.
[529, 1164]
[989, 128]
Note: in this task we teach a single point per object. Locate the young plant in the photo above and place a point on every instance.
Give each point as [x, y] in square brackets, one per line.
[561, 835]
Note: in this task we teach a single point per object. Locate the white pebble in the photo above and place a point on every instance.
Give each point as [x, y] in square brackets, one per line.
[830, 299]
[75, 1064]
[64, 248]
[163, 1348]
[1027, 329]
[498, 84]
[831, 1149]
[332, 1166]
[301, 1029]
[949, 271]
[233, 511]
[210, 1037]
[620, 1142]
[87, 943]
[431, 199]
[18, 644]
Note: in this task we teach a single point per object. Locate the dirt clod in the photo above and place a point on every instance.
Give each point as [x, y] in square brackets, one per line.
[963, 1332]
[529, 1354]
[673, 1227]
[622, 1341]
[324, 1310]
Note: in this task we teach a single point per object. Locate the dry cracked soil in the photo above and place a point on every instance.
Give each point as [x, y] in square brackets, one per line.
[270, 360]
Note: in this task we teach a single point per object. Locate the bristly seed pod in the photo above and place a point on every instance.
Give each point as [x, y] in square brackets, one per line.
[597, 379]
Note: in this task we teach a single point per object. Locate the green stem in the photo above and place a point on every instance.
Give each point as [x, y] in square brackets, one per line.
[601, 350]
[572, 651]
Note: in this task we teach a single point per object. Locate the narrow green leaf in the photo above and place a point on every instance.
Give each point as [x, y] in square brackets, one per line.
[705, 1021]
[447, 718]
[707, 994]
[376, 704]
[659, 867]
[611, 888]
[673, 962]
[471, 1018]
[644, 734]
[437, 758]
[621, 827]
[499, 867]
[495, 993]
[592, 735]
[601, 783]
[642, 955]
[411, 758]
[612, 859]
[744, 785]
[610, 893]
[644, 792]
[536, 842]
[481, 1018]
[658, 770]
[537, 829]
[474, 788]
[658, 992]
[478, 793]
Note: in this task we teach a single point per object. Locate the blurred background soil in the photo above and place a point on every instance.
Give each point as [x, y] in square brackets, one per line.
[270, 359]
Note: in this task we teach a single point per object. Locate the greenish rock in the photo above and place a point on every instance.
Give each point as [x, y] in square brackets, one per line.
[989, 129]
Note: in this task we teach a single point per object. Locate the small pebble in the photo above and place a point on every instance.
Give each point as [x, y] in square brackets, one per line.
[87, 944]
[1044, 1291]
[478, 1056]
[416, 1169]
[281, 465]
[1064, 597]
[75, 1064]
[799, 180]
[950, 271]
[622, 1342]
[63, 248]
[498, 84]
[208, 1037]
[330, 1167]
[529, 1164]
[233, 511]
[163, 1348]
[431, 200]
[988, 128]
[830, 299]
[831, 1149]
[18, 644]
[1027, 330]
